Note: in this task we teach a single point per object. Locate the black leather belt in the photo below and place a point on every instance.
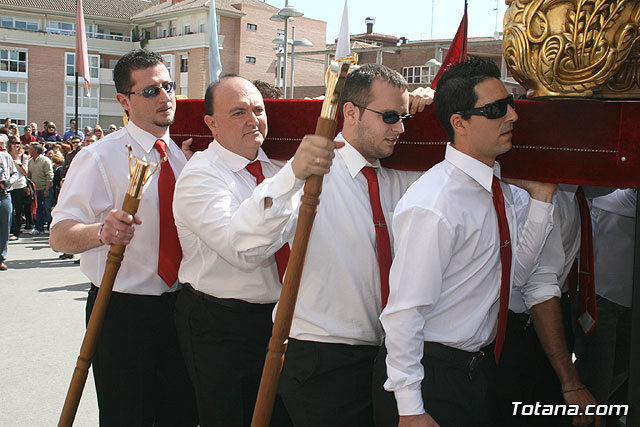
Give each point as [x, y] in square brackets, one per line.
[235, 304]
[466, 360]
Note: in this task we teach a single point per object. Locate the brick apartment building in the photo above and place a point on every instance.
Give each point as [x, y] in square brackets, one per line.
[37, 45]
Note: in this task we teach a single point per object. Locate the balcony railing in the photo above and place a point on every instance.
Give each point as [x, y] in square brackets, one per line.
[92, 35]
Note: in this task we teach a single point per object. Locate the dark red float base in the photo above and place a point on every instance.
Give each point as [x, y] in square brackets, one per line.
[573, 142]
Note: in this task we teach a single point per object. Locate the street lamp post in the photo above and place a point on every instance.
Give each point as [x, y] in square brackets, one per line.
[286, 13]
[294, 43]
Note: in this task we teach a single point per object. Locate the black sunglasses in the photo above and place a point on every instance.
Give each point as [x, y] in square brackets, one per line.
[153, 91]
[493, 110]
[389, 117]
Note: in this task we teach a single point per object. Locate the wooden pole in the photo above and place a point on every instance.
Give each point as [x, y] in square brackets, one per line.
[326, 126]
[114, 259]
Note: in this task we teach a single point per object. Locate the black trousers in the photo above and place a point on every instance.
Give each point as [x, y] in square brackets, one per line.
[224, 342]
[138, 369]
[17, 199]
[524, 374]
[455, 390]
[324, 384]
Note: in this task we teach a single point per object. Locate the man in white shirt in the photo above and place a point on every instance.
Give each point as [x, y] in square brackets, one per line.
[336, 334]
[458, 253]
[224, 315]
[603, 354]
[138, 368]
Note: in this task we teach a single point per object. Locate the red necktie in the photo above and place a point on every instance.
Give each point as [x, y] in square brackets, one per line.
[581, 280]
[282, 255]
[170, 251]
[382, 234]
[505, 260]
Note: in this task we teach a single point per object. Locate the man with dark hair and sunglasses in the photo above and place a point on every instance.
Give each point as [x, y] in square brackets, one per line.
[336, 335]
[459, 252]
[138, 368]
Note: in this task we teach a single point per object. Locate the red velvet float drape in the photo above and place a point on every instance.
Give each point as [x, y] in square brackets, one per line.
[573, 142]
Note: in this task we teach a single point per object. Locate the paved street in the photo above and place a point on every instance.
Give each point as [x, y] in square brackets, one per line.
[42, 301]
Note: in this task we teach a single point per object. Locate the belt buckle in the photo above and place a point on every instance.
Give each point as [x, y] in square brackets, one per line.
[475, 362]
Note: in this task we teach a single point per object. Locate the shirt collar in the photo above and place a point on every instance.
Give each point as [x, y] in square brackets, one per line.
[352, 157]
[144, 138]
[476, 170]
[234, 161]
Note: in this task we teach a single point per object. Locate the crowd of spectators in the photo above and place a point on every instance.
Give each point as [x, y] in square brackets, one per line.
[41, 159]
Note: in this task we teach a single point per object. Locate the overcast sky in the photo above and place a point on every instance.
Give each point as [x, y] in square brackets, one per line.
[404, 18]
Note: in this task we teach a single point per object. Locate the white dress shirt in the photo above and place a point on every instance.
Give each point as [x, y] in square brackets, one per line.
[614, 221]
[446, 275]
[339, 299]
[97, 182]
[560, 249]
[207, 206]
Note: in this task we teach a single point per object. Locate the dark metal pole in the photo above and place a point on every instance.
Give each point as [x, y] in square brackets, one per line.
[633, 418]
[77, 124]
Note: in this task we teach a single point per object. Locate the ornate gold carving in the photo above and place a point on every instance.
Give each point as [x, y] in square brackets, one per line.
[578, 48]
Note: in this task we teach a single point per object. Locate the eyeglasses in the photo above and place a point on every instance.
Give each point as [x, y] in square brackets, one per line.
[153, 91]
[389, 117]
[493, 110]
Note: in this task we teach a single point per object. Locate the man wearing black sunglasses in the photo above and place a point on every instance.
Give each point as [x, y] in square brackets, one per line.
[459, 252]
[335, 335]
[138, 368]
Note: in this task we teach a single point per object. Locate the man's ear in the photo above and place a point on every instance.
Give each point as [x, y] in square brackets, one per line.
[351, 113]
[123, 100]
[458, 124]
[211, 123]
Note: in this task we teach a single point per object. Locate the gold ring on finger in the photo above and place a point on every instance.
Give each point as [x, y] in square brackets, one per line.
[317, 160]
[117, 233]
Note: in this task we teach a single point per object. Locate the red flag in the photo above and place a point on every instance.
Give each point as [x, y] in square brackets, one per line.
[82, 56]
[457, 51]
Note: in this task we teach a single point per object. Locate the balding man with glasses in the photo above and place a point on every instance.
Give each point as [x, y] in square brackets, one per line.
[138, 369]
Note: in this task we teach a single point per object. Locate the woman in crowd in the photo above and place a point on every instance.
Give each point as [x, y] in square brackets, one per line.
[19, 189]
[97, 131]
[50, 134]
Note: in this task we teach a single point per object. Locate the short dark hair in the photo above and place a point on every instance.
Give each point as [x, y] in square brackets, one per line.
[72, 120]
[208, 95]
[267, 90]
[357, 89]
[138, 59]
[37, 147]
[456, 88]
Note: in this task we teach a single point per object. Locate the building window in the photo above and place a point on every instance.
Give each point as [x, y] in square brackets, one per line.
[12, 93]
[94, 64]
[252, 27]
[83, 101]
[184, 65]
[417, 74]
[202, 28]
[20, 24]
[168, 62]
[65, 28]
[251, 59]
[13, 61]
[187, 29]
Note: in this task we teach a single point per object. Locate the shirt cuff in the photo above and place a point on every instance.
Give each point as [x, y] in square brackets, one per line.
[540, 211]
[282, 185]
[409, 400]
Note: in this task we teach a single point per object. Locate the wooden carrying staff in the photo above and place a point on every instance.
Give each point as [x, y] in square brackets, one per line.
[139, 177]
[326, 126]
